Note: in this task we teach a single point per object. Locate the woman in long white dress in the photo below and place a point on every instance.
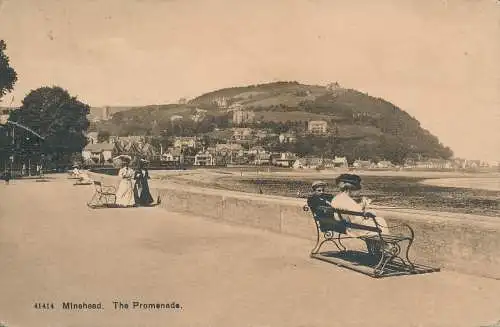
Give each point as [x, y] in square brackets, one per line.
[125, 192]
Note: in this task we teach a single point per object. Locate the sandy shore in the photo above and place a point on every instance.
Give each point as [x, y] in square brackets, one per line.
[490, 184]
[482, 181]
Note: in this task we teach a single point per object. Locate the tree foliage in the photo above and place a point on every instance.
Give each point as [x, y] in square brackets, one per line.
[59, 117]
[103, 136]
[8, 76]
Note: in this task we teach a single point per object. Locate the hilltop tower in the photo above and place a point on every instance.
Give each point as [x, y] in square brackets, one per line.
[106, 113]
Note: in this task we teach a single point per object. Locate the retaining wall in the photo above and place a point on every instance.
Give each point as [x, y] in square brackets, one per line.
[464, 243]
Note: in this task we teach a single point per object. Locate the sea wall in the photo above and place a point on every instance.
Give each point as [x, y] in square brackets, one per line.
[459, 242]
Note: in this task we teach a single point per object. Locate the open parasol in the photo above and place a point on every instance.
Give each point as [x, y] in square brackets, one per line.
[123, 157]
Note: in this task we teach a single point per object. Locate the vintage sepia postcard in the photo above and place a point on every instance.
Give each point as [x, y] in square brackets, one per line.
[265, 163]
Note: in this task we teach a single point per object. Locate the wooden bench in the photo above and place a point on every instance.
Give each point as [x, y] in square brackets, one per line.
[386, 254]
[104, 196]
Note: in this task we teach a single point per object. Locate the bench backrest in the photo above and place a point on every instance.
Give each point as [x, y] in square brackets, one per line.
[327, 223]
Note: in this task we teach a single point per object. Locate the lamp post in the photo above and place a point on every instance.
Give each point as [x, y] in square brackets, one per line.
[13, 148]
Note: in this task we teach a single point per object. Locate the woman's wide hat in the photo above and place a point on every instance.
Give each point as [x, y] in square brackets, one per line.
[350, 180]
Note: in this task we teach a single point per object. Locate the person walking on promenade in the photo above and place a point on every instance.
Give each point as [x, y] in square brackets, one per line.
[125, 193]
[141, 188]
[7, 176]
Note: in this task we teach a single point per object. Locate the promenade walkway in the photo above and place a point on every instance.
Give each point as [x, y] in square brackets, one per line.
[54, 249]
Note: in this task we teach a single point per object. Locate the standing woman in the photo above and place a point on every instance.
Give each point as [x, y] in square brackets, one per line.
[141, 189]
[125, 192]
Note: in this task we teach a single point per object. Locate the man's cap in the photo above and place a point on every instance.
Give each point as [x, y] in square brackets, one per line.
[316, 184]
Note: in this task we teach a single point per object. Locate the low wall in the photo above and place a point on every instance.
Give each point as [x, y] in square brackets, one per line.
[464, 243]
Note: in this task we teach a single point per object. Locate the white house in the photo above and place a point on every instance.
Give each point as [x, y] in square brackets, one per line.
[286, 159]
[339, 162]
[241, 116]
[172, 155]
[242, 134]
[362, 164]
[308, 162]
[317, 126]
[256, 149]
[384, 164]
[288, 137]
[98, 152]
[189, 142]
[262, 158]
[228, 147]
[204, 159]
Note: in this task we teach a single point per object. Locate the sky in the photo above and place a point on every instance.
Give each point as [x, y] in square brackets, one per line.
[436, 59]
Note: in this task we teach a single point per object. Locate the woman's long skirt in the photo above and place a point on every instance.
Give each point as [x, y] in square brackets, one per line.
[125, 193]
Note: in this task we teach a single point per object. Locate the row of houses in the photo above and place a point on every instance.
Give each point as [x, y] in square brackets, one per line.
[234, 153]
[222, 157]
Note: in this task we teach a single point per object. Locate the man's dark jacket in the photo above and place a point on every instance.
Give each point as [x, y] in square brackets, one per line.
[320, 205]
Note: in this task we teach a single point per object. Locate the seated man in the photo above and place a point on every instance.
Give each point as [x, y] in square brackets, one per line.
[321, 207]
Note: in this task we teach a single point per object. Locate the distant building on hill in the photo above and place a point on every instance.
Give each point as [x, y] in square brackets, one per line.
[317, 126]
[242, 134]
[221, 102]
[288, 137]
[175, 118]
[104, 113]
[241, 116]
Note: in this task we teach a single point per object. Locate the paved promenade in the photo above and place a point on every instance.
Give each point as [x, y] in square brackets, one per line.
[54, 249]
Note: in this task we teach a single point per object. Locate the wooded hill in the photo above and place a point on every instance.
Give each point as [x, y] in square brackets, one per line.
[361, 125]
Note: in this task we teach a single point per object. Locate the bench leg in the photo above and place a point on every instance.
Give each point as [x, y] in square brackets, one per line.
[339, 240]
[389, 252]
[92, 201]
[328, 236]
[410, 263]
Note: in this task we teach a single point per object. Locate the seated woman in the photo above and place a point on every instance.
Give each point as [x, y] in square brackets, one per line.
[83, 178]
[348, 183]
